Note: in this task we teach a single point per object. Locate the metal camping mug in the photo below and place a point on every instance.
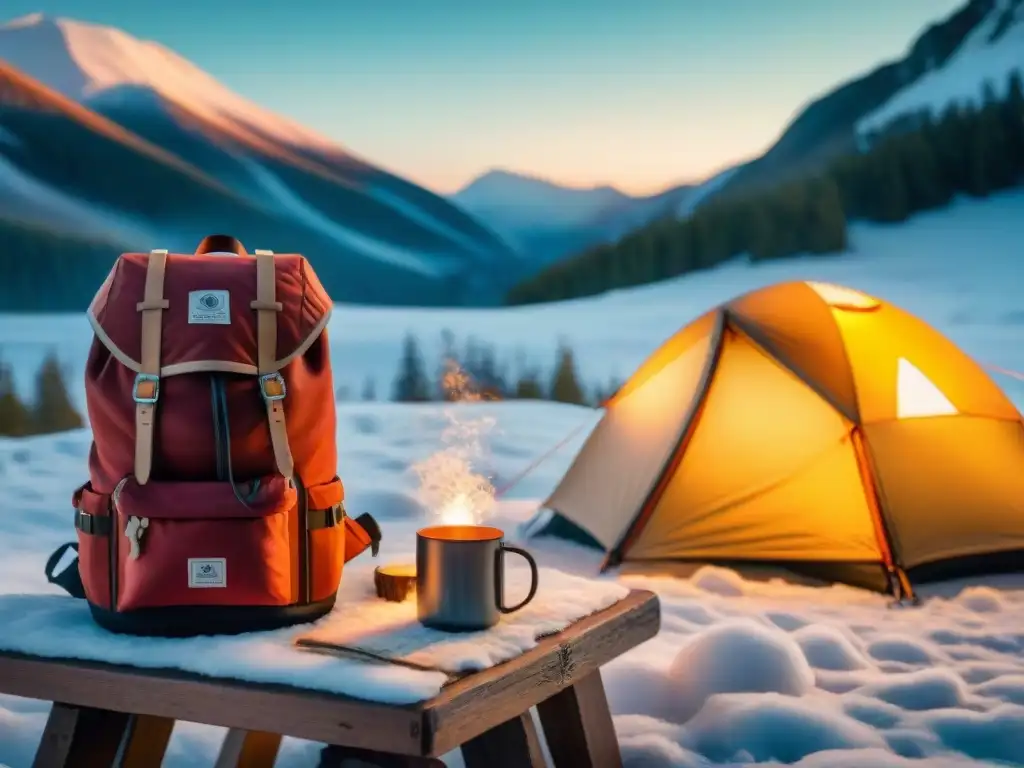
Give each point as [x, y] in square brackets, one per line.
[460, 577]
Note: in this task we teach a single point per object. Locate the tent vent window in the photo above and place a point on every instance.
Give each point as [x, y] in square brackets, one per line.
[916, 396]
[838, 297]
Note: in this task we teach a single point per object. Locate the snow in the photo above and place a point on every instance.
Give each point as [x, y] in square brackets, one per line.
[26, 199]
[95, 58]
[961, 79]
[741, 672]
[381, 194]
[295, 206]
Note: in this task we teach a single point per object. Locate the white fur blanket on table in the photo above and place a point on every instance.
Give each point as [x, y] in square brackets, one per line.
[370, 626]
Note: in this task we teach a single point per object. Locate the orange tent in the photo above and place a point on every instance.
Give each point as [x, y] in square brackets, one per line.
[810, 428]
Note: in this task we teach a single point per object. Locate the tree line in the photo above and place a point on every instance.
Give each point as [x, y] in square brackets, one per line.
[476, 373]
[918, 163]
[51, 410]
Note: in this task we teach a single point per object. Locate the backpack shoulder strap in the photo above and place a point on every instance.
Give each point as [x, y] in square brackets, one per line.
[147, 383]
[272, 386]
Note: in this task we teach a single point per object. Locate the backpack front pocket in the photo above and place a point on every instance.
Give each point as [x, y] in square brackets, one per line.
[206, 543]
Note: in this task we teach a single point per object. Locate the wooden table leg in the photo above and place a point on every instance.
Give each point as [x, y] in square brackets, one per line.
[83, 737]
[578, 726]
[147, 742]
[513, 744]
[249, 749]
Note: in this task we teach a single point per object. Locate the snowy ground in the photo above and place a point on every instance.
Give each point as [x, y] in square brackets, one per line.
[741, 672]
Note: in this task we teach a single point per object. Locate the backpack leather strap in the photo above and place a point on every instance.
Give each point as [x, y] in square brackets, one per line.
[272, 386]
[147, 383]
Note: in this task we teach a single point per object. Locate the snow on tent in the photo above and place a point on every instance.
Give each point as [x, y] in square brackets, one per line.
[809, 430]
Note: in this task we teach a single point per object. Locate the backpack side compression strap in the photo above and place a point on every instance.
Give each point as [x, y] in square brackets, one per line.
[147, 383]
[272, 386]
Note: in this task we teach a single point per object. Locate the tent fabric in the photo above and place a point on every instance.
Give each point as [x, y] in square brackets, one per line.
[621, 460]
[756, 496]
[806, 426]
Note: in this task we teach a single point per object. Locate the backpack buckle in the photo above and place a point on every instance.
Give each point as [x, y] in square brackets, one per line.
[272, 387]
[143, 394]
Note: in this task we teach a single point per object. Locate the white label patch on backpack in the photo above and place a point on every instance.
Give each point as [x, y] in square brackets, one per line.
[209, 308]
[209, 572]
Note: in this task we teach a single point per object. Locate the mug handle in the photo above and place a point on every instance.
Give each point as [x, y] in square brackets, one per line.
[499, 576]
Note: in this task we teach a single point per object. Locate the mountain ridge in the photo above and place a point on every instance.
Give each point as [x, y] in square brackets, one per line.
[372, 236]
[825, 127]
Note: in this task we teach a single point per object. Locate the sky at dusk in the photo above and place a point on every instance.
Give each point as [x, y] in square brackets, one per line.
[636, 93]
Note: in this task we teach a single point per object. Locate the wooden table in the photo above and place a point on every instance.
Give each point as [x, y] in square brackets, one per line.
[106, 715]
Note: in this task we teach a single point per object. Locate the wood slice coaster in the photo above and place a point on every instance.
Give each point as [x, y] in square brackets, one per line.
[394, 582]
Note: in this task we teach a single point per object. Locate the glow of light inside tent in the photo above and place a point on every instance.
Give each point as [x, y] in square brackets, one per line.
[838, 297]
[916, 396]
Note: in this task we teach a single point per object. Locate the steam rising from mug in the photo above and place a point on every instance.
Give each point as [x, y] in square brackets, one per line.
[450, 489]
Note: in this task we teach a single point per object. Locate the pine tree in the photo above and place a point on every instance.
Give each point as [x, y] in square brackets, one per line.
[411, 384]
[890, 195]
[824, 227]
[53, 410]
[979, 181]
[565, 385]
[998, 147]
[369, 392]
[952, 135]
[488, 380]
[528, 387]
[15, 418]
[471, 358]
[759, 232]
[926, 186]
[1012, 114]
[449, 362]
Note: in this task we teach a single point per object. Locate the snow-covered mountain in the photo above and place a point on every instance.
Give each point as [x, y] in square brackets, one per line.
[829, 125]
[989, 54]
[83, 61]
[546, 221]
[373, 236]
[513, 201]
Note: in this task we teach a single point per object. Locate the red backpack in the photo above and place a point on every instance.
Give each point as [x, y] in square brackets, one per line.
[213, 504]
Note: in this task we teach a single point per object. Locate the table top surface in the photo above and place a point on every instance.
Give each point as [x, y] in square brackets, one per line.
[430, 728]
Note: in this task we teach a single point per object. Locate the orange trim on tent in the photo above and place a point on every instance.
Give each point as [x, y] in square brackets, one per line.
[871, 493]
[906, 589]
[650, 504]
